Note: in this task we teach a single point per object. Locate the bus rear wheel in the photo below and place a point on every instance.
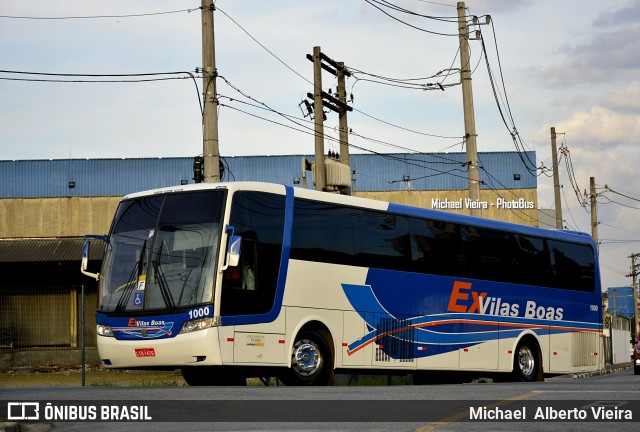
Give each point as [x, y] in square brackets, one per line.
[310, 361]
[212, 376]
[526, 363]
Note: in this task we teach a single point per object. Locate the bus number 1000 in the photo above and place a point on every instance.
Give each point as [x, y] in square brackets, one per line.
[199, 313]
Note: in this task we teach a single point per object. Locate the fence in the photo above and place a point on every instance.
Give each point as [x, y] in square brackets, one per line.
[617, 336]
[42, 326]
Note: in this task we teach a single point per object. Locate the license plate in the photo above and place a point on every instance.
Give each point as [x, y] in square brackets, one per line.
[145, 352]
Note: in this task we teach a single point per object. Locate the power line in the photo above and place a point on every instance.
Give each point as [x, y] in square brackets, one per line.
[138, 80]
[100, 16]
[396, 146]
[616, 241]
[575, 224]
[436, 3]
[621, 229]
[513, 131]
[371, 2]
[310, 131]
[409, 83]
[93, 75]
[388, 4]
[308, 81]
[609, 189]
[564, 151]
[263, 47]
[133, 78]
[610, 201]
[405, 128]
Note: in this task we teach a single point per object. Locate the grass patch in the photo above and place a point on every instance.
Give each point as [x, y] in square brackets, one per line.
[98, 377]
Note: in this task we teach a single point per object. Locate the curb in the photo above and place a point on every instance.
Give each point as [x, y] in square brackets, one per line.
[612, 370]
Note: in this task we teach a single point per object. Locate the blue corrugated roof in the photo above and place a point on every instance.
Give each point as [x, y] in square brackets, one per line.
[373, 172]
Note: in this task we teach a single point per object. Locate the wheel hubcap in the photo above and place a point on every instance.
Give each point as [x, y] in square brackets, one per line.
[526, 361]
[306, 357]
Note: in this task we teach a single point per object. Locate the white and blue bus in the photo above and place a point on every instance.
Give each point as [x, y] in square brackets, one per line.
[232, 280]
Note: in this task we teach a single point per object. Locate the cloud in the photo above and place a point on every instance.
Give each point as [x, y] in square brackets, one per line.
[623, 100]
[497, 6]
[625, 15]
[609, 54]
[600, 128]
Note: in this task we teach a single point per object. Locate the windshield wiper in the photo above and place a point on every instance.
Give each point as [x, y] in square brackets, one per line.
[162, 280]
[136, 272]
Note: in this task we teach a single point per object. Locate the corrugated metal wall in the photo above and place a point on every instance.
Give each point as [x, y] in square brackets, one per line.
[374, 172]
[92, 177]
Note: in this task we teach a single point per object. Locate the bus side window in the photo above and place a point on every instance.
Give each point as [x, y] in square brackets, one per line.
[381, 240]
[436, 247]
[530, 260]
[574, 265]
[487, 254]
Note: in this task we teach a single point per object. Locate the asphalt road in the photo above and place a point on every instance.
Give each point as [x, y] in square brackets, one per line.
[465, 407]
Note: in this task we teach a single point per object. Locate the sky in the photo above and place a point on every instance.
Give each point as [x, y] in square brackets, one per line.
[573, 65]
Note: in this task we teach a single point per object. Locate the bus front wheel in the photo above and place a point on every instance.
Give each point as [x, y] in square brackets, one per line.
[310, 361]
[526, 363]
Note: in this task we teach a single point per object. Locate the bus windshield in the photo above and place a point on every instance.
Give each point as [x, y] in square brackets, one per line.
[162, 252]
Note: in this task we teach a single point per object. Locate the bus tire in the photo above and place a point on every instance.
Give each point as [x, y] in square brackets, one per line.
[211, 376]
[527, 365]
[310, 361]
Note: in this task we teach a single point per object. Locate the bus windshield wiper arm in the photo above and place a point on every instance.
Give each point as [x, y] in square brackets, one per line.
[162, 281]
[136, 272]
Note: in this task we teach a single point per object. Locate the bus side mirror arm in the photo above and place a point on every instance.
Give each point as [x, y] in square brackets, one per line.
[84, 264]
[232, 258]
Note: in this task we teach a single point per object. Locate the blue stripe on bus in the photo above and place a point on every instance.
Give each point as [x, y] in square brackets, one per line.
[424, 341]
[435, 330]
[364, 297]
[282, 273]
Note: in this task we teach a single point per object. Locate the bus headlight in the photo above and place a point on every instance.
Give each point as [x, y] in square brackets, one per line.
[200, 324]
[104, 330]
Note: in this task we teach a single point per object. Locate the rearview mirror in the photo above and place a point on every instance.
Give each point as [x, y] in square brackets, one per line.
[232, 258]
[233, 253]
[84, 263]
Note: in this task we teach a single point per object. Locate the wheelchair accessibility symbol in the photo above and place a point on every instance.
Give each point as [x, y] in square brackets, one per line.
[138, 299]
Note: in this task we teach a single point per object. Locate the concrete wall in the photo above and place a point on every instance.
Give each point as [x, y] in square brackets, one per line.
[56, 217]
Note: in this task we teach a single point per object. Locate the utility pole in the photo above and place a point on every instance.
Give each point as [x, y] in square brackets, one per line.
[319, 119]
[469, 116]
[210, 107]
[339, 105]
[342, 120]
[634, 287]
[556, 179]
[594, 211]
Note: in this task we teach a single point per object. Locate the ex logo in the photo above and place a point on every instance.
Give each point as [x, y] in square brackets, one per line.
[459, 300]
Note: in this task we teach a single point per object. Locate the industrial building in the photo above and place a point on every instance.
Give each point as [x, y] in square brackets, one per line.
[46, 207]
